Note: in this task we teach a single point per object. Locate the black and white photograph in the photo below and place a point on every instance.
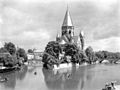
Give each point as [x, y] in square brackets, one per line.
[59, 44]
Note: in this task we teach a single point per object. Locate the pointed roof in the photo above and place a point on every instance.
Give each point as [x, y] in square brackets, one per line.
[58, 35]
[67, 19]
[81, 34]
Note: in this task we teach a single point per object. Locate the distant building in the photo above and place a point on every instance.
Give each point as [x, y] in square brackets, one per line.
[36, 55]
[67, 34]
[30, 56]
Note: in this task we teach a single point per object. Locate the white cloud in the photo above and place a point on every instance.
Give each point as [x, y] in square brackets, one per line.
[30, 23]
[1, 20]
[40, 34]
[110, 44]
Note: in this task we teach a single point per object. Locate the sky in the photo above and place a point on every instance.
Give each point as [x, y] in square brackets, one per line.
[33, 23]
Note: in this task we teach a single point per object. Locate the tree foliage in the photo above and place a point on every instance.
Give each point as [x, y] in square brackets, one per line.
[111, 56]
[10, 47]
[30, 51]
[10, 61]
[90, 54]
[51, 55]
[73, 51]
[21, 53]
[53, 48]
[75, 55]
[9, 55]
[3, 50]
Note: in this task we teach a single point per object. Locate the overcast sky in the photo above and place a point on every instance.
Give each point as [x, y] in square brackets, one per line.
[32, 23]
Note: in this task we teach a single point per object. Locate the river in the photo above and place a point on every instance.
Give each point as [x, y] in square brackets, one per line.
[92, 77]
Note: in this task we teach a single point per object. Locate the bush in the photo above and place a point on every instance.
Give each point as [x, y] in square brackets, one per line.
[10, 47]
[21, 53]
[73, 51]
[10, 61]
[30, 51]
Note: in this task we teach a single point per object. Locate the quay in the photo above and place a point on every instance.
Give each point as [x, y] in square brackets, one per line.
[111, 86]
[117, 87]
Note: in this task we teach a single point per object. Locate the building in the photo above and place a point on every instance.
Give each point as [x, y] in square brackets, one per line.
[67, 33]
[35, 56]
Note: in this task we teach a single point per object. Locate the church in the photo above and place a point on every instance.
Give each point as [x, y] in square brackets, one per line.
[67, 33]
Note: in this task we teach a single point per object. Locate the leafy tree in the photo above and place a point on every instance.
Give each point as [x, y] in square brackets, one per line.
[21, 53]
[10, 47]
[51, 54]
[100, 56]
[30, 51]
[83, 58]
[90, 54]
[3, 50]
[112, 57]
[53, 48]
[10, 61]
[73, 51]
[8, 55]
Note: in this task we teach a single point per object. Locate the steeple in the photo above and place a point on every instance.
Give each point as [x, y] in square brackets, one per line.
[81, 36]
[67, 19]
[67, 26]
[58, 37]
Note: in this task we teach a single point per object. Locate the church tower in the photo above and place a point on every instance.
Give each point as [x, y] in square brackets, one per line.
[67, 26]
[81, 36]
[58, 38]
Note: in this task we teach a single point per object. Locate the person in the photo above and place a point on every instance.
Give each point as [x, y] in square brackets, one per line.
[112, 85]
[4, 80]
[35, 73]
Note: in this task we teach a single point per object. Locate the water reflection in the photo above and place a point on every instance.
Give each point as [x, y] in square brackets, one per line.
[12, 77]
[72, 78]
[31, 69]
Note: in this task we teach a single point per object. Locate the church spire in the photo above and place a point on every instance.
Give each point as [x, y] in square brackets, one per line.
[67, 19]
[67, 26]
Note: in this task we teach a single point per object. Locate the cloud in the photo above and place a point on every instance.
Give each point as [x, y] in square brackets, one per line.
[33, 23]
[111, 44]
[30, 39]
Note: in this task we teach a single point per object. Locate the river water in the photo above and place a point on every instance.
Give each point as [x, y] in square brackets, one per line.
[92, 77]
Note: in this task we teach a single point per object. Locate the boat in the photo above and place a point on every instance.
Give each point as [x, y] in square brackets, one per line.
[7, 69]
[3, 80]
[111, 86]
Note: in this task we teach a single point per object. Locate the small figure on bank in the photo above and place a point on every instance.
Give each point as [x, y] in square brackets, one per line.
[35, 73]
[113, 85]
[4, 80]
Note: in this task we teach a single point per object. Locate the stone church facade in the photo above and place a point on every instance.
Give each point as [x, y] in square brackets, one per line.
[67, 34]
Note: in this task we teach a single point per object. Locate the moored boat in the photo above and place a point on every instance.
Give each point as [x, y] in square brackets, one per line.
[7, 69]
[111, 86]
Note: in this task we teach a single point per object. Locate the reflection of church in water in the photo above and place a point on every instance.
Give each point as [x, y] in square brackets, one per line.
[68, 79]
[67, 34]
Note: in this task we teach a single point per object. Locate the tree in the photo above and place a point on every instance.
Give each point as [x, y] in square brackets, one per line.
[83, 57]
[90, 54]
[53, 48]
[112, 57]
[72, 50]
[9, 61]
[10, 47]
[21, 53]
[3, 50]
[51, 54]
[30, 51]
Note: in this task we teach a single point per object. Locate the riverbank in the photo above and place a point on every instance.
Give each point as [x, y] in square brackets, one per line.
[117, 87]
